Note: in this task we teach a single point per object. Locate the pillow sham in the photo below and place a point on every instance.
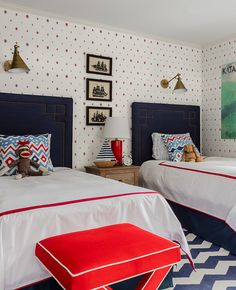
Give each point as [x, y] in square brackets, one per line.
[39, 145]
[1, 161]
[175, 144]
[159, 150]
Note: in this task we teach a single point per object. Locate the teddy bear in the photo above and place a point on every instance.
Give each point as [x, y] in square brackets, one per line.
[24, 163]
[191, 154]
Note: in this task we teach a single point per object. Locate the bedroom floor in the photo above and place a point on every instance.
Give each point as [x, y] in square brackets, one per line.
[216, 268]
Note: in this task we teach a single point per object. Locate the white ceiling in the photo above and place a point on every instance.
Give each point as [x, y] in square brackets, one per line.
[198, 22]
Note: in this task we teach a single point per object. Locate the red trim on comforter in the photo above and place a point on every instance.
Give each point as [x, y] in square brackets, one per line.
[192, 208]
[204, 172]
[72, 201]
[199, 171]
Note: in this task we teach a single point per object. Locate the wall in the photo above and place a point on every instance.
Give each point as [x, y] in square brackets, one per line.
[56, 50]
[213, 58]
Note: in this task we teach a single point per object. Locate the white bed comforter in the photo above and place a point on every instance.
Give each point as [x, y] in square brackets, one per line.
[21, 228]
[208, 186]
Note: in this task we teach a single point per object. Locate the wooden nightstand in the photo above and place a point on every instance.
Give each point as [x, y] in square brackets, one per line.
[126, 174]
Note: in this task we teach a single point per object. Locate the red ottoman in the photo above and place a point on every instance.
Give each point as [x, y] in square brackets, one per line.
[96, 258]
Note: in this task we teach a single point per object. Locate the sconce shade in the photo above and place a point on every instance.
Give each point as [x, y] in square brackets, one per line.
[116, 127]
[17, 65]
[179, 87]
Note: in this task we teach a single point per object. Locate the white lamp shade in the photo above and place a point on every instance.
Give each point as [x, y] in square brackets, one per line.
[116, 128]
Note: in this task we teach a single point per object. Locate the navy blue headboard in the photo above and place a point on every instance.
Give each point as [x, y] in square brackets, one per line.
[163, 118]
[28, 114]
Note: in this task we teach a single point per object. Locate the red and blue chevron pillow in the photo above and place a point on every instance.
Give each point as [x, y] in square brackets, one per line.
[39, 145]
[175, 145]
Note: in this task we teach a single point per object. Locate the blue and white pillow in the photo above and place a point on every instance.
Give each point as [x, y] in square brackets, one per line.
[39, 145]
[175, 145]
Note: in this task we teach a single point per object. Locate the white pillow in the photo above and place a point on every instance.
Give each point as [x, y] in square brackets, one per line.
[159, 150]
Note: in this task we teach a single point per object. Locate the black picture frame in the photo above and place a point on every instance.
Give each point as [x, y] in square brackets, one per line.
[94, 86]
[94, 60]
[90, 110]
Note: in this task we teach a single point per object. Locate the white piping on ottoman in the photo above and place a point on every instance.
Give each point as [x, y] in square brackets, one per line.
[154, 273]
[117, 281]
[104, 266]
[148, 280]
[51, 274]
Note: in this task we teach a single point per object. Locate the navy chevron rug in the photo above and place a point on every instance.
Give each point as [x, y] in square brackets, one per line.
[215, 268]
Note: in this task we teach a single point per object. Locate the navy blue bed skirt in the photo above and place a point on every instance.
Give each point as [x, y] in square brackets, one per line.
[206, 227]
[130, 284]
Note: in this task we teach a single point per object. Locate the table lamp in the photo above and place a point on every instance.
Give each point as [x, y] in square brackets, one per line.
[116, 128]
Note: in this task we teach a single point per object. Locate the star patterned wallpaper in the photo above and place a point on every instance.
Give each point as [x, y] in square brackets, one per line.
[214, 57]
[55, 51]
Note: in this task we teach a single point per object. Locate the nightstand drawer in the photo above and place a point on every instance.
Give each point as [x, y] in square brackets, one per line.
[126, 174]
[123, 177]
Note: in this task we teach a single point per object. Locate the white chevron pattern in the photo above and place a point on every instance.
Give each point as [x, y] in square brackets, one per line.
[215, 268]
[223, 285]
[190, 237]
[203, 256]
[197, 276]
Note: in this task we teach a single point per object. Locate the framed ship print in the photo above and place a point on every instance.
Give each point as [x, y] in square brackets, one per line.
[97, 64]
[96, 116]
[98, 90]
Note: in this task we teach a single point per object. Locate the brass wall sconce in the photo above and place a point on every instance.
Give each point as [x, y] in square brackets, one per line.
[179, 87]
[16, 65]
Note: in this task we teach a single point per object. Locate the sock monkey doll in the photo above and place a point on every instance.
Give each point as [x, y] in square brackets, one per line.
[24, 163]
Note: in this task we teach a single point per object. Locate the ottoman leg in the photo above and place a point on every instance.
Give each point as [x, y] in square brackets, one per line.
[152, 280]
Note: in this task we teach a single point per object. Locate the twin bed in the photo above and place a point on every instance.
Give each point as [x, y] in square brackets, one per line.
[65, 201]
[202, 195]
[68, 200]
